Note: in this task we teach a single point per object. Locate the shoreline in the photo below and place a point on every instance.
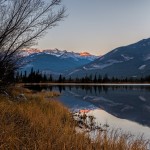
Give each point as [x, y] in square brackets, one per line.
[35, 120]
[90, 84]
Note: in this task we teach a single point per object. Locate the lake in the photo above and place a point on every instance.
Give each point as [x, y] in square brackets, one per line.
[121, 106]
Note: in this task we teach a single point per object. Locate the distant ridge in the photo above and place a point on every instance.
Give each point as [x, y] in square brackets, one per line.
[127, 61]
[55, 61]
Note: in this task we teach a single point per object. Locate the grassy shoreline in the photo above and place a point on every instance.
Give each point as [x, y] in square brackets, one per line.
[38, 121]
[92, 84]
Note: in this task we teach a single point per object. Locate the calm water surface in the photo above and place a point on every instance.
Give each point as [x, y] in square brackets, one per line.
[126, 106]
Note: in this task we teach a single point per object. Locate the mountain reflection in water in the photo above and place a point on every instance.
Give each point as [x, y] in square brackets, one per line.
[129, 102]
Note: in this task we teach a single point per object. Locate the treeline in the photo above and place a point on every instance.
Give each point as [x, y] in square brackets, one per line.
[38, 77]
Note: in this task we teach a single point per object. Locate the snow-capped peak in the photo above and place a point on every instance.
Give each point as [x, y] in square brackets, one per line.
[63, 54]
[85, 54]
[54, 52]
[27, 52]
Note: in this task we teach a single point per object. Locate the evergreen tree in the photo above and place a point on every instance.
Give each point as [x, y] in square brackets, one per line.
[99, 79]
[44, 78]
[50, 78]
[105, 79]
[95, 79]
[60, 78]
[25, 77]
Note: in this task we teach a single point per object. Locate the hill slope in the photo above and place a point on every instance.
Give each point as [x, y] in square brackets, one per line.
[127, 61]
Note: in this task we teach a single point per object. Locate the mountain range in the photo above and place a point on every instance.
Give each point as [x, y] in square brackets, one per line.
[55, 61]
[126, 61]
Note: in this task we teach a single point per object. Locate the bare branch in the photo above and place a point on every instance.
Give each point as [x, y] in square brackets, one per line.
[22, 23]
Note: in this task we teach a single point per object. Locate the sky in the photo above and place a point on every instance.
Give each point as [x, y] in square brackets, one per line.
[98, 26]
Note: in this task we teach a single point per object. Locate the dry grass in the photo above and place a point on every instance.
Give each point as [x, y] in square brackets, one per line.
[40, 124]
